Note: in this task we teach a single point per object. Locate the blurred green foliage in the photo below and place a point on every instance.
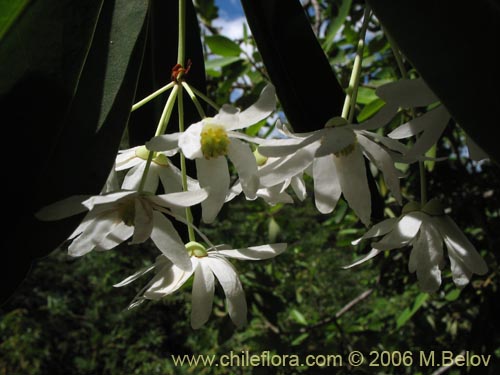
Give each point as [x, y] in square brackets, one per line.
[66, 318]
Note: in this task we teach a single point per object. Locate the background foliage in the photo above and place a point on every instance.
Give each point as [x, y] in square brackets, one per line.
[66, 318]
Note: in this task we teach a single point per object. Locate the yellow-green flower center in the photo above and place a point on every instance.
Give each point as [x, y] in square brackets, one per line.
[214, 141]
[259, 158]
[158, 158]
[196, 249]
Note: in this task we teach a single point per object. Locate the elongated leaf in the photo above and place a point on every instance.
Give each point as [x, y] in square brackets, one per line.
[220, 62]
[9, 11]
[222, 46]
[446, 55]
[408, 313]
[336, 24]
[304, 80]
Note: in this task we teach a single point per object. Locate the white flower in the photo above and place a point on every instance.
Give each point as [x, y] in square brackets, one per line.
[161, 169]
[210, 140]
[115, 217]
[426, 230]
[207, 265]
[338, 167]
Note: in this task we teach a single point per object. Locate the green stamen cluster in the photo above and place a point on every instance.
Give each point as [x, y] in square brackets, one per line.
[196, 249]
[214, 141]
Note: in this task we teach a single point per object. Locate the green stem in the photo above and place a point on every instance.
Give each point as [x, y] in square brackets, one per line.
[189, 215]
[204, 97]
[152, 96]
[352, 89]
[404, 75]
[162, 125]
[181, 46]
[195, 100]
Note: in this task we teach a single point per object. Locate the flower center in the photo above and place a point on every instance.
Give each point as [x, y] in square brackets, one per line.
[158, 158]
[346, 150]
[196, 249]
[127, 212]
[214, 141]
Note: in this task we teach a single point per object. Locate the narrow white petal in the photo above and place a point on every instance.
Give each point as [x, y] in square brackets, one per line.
[380, 119]
[180, 199]
[351, 173]
[134, 276]
[460, 272]
[133, 178]
[384, 163]
[335, 140]
[169, 242]
[190, 141]
[407, 93]
[62, 209]
[412, 127]
[228, 279]
[299, 187]
[167, 142]
[143, 221]
[282, 147]
[126, 159]
[214, 175]
[327, 188]
[202, 295]
[106, 198]
[120, 233]
[168, 280]
[373, 253]
[255, 252]
[404, 231]
[378, 229]
[244, 161]
[463, 248]
[260, 110]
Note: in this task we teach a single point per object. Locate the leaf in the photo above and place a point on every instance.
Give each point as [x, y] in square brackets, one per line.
[273, 230]
[431, 153]
[445, 54]
[9, 11]
[365, 95]
[305, 83]
[452, 295]
[370, 109]
[408, 313]
[222, 46]
[297, 316]
[220, 62]
[336, 24]
[299, 339]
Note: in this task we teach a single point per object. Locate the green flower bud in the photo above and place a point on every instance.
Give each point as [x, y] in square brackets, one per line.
[196, 249]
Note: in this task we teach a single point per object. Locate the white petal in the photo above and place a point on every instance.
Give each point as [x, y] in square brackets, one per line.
[133, 178]
[407, 93]
[244, 161]
[351, 173]
[260, 110]
[405, 230]
[373, 253]
[438, 119]
[180, 199]
[62, 209]
[391, 144]
[336, 139]
[126, 159]
[228, 279]
[378, 229]
[273, 195]
[169, 242]
[425, 258]
[169, 279]
[190, 141]
[412, 127]
[463, 248]
[170, 179]
[255, 252]
[143, 221]
[282, 147]
[120, 233]
[227, 117]
[202, 295]
[327, 188]
[384, 163]
[135, 276]
[299, 187]
[459, 270]
[94, 232]
[106, 198]
[167, 142]
[213, 174]
[380, 119]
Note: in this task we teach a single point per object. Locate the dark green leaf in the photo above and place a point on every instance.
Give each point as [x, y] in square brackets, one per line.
[336, 24]
[9, 11]
[222, 46]
[370, 109]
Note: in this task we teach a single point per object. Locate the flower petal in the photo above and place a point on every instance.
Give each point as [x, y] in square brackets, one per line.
[143, 220]
[476, 153]
[180, 199]
[134, 276]
[120, 233]
[202, 295]
[169, 242]
[327, 188]
[335, 140]
[373, 253]
[106, 198]
[383, 161]
[228, 279]
[214, 175]
[299, 187]
[255, 252]
[62, 209]
[405, 231]
[168, 280]
[351, 172]
[378, 229]
[166, 142]
[260, 110]
[380, 119]
[126, 159]
[407, 93]
[190, 141]
[133, 178]
[244, 161]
